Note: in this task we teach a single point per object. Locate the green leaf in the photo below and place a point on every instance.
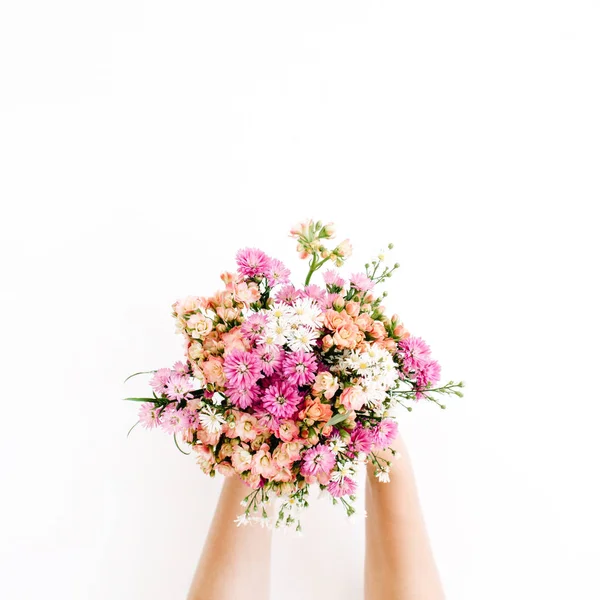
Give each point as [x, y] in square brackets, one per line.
[337, 419]
[138, 373]
[153, 400]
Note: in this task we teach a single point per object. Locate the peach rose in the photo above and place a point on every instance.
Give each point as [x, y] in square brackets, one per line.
[234, 340]
[378, 330]
[364, 322]
[353, 398]
[353, 308]
[247, 293]
[347, 336]
[327, 342]
[288, 430]
[263, 464]
[326, 384]
[316, 411]
[213, 371]
[225, 468]
[246, 427]
[334, 319]
[241, 459]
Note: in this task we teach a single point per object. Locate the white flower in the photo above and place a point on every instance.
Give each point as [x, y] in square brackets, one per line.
[303, 338]
[383, 475]
[281, 311]
[305, 311]
[337, 445]
[242, 520]
[210, 420]
[345, 469]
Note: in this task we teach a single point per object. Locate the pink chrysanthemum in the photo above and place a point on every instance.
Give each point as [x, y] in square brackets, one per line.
[300, 367]
[318, 460]
[243, 396]
[252, 262]
[254, 326]
[429, 373]
[314, 292]
[361, 282]
[241, 368]
[159, 381]
[287, 294]
[179, 387]
[333, 278]
[149, 415]
[173, 420]
[361, 440]
[281, 399]
[344, 487]
[277, 273]
[181, 368]
[384, 434]
[415, 352]
[271, 358]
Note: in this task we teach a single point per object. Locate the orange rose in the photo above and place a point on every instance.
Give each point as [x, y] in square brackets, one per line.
[316, 411]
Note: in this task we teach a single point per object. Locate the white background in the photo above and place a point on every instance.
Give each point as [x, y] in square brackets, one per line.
[142, 143]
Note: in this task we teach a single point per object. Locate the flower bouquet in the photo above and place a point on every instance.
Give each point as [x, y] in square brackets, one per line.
[291, 387]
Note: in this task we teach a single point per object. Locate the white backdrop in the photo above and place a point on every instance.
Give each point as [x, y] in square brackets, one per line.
[142, 143]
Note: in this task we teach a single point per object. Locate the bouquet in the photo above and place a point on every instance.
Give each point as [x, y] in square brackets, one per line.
[290, 387]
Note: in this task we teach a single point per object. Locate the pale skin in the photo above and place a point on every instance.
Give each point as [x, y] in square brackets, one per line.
[399, 562]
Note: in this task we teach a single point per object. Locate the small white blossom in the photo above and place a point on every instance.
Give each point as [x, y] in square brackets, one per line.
[242, 520]
[210, 420]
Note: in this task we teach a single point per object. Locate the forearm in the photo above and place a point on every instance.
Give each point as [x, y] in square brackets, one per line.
[235, 560]
[399, 560]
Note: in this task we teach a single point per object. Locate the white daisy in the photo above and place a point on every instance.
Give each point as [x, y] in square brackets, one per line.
[302, 339]
[210, 420]
[337, 445]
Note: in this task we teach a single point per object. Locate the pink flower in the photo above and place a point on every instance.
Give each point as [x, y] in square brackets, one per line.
[173, 420]
[268, 421]
[241, 368]
[361, 282]
[353, 398]
[252, 262]
[316, 293]
[263, 464]
[243, 396]
[300, 367]
[159, 381]
[241, 459]
[429, 373]
[149, 415]
[318, 462]
[277, 273]
[415, 353]
[361, 440]
[271, 358]
[281, 399]
[288, 431]
[344, 487]
[254, 326]
[326, 384]
[384, 434]
[287, 294]
[246, 428]
[333, 279]
[181, 367]
[179, 387]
